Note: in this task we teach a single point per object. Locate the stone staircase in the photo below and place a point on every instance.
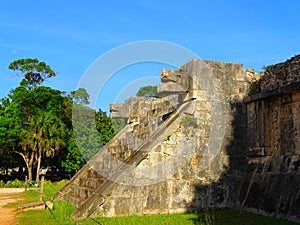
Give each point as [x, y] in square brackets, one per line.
[88, 190]
[83, 188]
[86, 181]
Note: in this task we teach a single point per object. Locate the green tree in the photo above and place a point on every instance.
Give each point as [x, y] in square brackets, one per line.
[80, 96]
[91, 130]
[9, 138]
[34, 71]
[39, 123]
[14, 117]
[118, 124]
[37, 113]
[86, 135]
[45, 135]
[8, 133]
[74, 158]
[104, 126]
[147, 91]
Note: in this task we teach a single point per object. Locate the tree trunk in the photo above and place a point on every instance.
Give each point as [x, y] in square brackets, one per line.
[6, 174]
[28, 163]
[29, 170]
[31, 164]
[38, 168]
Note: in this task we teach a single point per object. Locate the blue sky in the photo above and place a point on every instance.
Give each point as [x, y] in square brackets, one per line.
[71, 35]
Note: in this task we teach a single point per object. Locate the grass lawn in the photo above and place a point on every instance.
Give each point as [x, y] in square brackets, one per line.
[62, 211]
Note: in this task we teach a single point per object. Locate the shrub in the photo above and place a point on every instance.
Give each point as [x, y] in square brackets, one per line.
[14, 184]
[168, 136]
[188, 122]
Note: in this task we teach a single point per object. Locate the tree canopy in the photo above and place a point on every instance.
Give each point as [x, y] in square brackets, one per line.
[36, 123]
[34, 71]
[147, 91]
[80, 96]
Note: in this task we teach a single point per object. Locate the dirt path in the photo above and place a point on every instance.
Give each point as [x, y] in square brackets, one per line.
[8, 195]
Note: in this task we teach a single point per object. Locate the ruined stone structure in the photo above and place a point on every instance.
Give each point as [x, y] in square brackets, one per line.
[272, 184]
[224, 137]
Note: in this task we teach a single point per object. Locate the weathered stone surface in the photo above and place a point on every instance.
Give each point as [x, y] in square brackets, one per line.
[170, 88]
[121, 110]
[272, 179]
[209, 146]
[280, 75]
[272, 187]
[180, 78]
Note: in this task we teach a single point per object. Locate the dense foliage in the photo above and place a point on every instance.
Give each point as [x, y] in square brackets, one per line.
[36, 124]
[147, 91]
[118, 124]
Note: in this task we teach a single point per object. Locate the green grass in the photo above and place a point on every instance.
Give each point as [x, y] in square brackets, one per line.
[60, 215]
[51, 188]
[163, 219]
[219, 217]
[62, 211]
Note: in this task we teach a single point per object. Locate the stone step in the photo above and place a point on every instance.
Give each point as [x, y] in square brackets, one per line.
[92, 183]
[73, 200]
[81, 192]
[94, 174]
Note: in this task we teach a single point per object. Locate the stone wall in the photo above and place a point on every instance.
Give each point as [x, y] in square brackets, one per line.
[279, 75]
[273, 125]
[273, 174]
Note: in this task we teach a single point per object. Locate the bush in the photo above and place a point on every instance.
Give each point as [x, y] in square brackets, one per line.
[14, 184]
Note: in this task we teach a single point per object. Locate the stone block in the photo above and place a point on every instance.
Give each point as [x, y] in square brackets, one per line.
[122, 207]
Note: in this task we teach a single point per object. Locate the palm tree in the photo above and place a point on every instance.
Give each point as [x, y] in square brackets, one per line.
[45, 135]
